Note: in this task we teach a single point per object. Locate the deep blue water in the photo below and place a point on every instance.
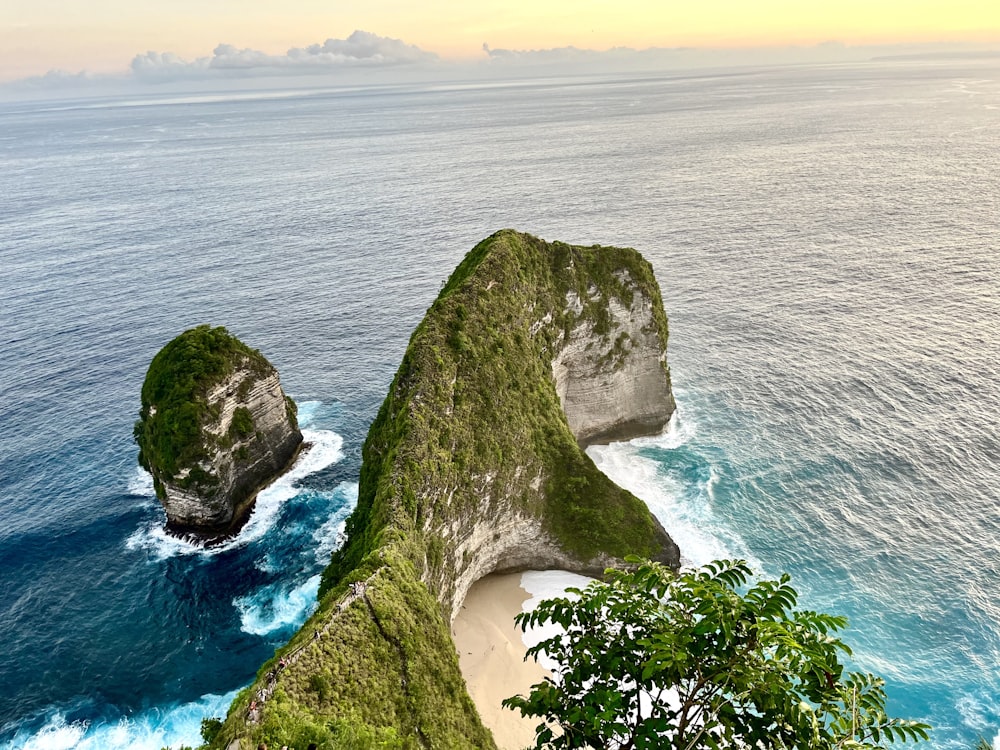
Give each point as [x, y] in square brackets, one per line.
[826, 240]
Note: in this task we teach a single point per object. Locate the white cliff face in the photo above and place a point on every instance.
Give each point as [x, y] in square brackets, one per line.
[251, 440]
[614, 386]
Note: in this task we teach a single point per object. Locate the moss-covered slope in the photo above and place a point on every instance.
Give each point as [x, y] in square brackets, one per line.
[470, 467]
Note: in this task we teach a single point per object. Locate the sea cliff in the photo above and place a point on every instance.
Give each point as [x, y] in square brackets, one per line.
[215, 426]
[475, 465]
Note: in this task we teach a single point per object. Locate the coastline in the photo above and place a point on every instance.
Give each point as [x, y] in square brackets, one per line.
[491, 656]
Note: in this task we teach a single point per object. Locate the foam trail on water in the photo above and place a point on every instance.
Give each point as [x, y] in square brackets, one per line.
[685, 510]
[55, 735]
[325, 449]
[273, 608]
[158, 727]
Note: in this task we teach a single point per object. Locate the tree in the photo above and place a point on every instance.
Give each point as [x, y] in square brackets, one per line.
[706, 658]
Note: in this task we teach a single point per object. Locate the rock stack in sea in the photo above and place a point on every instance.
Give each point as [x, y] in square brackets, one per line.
[214, 428]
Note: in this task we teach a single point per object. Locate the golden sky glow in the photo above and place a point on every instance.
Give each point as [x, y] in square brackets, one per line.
[104, 35]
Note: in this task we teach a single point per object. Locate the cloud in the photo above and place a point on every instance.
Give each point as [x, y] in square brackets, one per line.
[53, 79]
[561, 59]
[364, 58]
[362, 49]
[567, 60]
[536, 56]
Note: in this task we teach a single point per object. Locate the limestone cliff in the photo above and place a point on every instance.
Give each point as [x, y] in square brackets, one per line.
[611, 381]
[214, 428]
[474, 465]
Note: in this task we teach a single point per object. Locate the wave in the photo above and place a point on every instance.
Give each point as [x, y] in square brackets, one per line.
[980, 712]
[308, 413]
[278, 607]
[325, 448]
[140, 483]
[153, 729]
[274, 608]
[330, 535]
[682, 498]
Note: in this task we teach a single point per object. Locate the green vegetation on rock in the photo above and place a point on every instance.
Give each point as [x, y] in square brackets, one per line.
[174, 407]
[474, 397]
[470, 441]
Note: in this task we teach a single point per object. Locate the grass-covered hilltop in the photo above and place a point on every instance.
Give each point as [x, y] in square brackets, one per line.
[214, 427]
[474, 465]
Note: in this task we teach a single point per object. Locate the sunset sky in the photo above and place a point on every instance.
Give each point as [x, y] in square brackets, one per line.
[103, 36]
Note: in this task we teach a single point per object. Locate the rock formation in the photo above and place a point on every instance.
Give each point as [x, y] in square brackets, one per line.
[611, 383]
[475, 465]
[214, 428]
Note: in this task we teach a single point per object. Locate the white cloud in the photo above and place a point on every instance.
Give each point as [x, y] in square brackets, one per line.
[361, 49]
[364, 57]
[622, 59]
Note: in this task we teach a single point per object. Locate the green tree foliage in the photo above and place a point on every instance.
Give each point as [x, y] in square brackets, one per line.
[210, 727]
[703, 659]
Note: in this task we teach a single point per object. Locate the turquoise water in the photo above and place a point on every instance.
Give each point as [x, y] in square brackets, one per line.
[825, 239]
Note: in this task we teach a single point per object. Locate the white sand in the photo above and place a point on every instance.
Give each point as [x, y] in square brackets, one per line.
[491, 655]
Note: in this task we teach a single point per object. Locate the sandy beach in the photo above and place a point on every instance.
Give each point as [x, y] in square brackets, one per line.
[491, 655]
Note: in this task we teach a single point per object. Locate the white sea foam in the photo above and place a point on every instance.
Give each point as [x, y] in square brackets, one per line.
[686, 513]
[55, 735]
[547, 584]
[325, 449]
[330, 535]
[307, 411]
[979, 712]
[274, 608]
[141, 483]
[170, 726]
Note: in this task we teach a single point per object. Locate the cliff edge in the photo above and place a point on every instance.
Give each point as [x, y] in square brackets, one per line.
[475, 465]
[214, 427]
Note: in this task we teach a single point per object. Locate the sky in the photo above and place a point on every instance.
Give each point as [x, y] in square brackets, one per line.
[80, 39]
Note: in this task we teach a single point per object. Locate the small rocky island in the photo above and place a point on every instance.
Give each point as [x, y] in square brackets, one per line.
[214, 428]
[474, 465]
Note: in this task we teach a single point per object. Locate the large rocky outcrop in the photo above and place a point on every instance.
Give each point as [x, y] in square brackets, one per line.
[215, 427]
[474, 465]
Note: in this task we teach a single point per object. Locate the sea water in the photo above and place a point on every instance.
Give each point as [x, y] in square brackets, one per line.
[826, 242]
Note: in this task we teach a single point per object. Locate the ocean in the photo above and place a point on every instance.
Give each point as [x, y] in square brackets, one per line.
[826, 239]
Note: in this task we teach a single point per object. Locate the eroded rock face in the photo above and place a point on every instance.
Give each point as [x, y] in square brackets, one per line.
[215, 428]
[614, 385]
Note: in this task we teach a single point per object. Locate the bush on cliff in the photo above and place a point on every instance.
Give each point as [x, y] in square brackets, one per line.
[653, 659]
